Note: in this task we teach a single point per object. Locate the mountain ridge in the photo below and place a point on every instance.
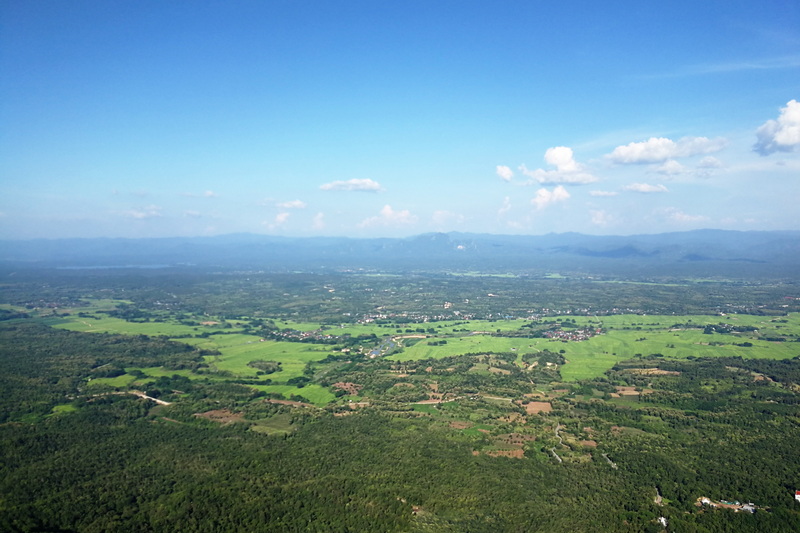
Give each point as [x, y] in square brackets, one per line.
[725, 250]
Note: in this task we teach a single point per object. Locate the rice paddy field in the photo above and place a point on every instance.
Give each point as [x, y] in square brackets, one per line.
[623, 337]
[627, 336]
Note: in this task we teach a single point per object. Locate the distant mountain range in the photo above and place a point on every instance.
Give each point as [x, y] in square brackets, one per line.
[693, 253]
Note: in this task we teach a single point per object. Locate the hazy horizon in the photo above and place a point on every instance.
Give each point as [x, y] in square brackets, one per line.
[365, 120]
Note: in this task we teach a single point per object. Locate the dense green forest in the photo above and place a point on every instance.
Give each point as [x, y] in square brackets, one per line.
[379, 418]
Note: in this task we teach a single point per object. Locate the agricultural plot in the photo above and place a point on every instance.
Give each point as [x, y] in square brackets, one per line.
[625, 336]
[467, 344]
[292, 356]
[107, 324]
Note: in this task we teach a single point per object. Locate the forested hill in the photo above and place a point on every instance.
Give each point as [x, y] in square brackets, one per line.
[693, 253]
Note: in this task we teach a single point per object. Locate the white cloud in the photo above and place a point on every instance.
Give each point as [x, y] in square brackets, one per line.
[505, 172]
[544, 197]
[292, 204]
[567, 169]
[602, 193]
[280, 220]
[710, 161]
[601, 218]
[676, 215]
[192, 214]
[658, 149]
[670, 167]
[645, 188]
[151, 211]
[782, 135]
[562, 158]
[318, 222]
[506, 206]
[389, 217]
[352, 185]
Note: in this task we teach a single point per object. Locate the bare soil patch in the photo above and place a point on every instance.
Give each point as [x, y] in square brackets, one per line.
[222, 416]
[533, 408]
[592, 443]
[458, 424]
[518, 453]
[653, 372]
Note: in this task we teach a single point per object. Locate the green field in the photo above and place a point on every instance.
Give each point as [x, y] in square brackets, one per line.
[625, 336]
[106, 324]
[237, 349]
[123, 381]
[469, 344]
[279, 424]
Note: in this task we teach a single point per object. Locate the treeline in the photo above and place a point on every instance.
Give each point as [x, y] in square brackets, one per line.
[41, 367]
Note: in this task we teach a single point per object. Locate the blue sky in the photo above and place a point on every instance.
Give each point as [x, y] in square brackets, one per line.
[300, 118]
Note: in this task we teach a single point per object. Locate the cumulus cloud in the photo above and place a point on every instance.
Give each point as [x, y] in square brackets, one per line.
[676, 215]
[600, 217]
[710, 161]
[567, 169]
[545, 197]
[670, 167]
[292, 204]
[389, 217]
[658, 149]
[645, 188]
[781, 135]
[279, 220]
[367, 185]
[602, 193]
[318, 222]
[505, 172]
[151, 211]
[192, 214]
[506, 206]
